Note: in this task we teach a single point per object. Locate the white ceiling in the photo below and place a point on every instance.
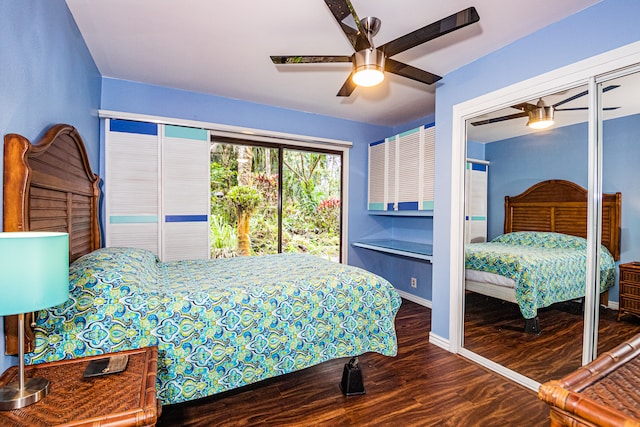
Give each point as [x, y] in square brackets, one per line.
[223, 47]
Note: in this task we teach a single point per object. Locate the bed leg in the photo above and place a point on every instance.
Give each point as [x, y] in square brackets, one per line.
[532, 326]
[351, 383]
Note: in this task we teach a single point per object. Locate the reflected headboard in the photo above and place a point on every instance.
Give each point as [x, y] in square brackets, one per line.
[49, 186]
[561, 206]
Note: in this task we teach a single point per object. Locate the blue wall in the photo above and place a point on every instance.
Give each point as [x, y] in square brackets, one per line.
[600, 28]
[47, 76]
[561, 153]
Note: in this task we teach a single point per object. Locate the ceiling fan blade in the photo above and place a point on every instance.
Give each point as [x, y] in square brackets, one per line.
[347, 88]
[341, 9]
[525, 106]
[300, 59]
[500, 119]
[413, 73]
[439, 28]
[584, 108]
[583, 93]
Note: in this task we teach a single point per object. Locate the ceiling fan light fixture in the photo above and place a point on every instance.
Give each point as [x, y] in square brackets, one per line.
[368, 67]
[541, 118]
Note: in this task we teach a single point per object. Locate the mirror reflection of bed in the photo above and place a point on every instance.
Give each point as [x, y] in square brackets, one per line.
[543, 249]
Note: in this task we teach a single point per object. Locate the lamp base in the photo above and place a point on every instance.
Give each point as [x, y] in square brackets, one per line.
[12, 397]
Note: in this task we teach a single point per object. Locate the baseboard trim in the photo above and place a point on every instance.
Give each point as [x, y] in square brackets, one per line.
[437, 340]
[413, 298]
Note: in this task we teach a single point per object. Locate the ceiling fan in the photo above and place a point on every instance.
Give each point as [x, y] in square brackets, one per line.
[370, 62]
[541, 115]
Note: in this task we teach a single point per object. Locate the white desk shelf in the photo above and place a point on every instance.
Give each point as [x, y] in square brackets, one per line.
[421, 251]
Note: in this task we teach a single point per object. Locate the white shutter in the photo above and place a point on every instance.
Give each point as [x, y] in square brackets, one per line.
[132, 185]
[476, 201]
[391, 166]
[377, 176]
[429, 163]
[408, 169]
[185, 193]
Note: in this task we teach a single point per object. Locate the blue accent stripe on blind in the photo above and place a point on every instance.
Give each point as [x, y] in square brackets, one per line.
[430, 125]
[186, 218]
[376, 143]
[390, 207]
[185, 132]
[130, 126]
[408, 206]
[478, 167]
[409, 132]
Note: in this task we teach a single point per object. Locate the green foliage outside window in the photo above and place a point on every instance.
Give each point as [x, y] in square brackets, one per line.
[310, 201]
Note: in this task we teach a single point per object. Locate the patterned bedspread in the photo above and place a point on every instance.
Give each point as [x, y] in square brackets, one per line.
[219, 324]
[547, 267]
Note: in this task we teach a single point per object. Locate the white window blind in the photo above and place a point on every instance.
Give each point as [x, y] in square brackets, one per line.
[132, 185]
[185, 193]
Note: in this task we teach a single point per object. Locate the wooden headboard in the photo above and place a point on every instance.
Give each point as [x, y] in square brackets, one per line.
[49, 186]
[561, 206]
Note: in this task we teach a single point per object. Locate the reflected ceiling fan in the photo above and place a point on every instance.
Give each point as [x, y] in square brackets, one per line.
[370, 62]
[541, 115]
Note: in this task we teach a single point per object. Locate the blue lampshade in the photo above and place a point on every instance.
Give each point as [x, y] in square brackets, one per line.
[34, 271]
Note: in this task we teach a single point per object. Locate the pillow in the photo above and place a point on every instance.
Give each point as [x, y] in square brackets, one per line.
[542, 239]
[115, 266]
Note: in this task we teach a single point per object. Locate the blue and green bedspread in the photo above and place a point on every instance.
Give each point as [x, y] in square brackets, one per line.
[219, 324]
[546, 267]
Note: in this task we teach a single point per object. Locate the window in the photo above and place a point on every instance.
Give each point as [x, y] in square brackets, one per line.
[272, 198]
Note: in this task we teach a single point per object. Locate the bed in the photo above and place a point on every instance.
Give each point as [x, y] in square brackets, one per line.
[541, 257]
[218, 324]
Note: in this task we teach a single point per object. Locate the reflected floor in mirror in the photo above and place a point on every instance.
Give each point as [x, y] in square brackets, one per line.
[494, 329]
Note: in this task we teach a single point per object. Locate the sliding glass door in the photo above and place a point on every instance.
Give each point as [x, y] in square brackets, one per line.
[267, 199]
[311, 188]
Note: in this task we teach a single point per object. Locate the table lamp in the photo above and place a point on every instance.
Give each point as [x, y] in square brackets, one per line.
[34, 274]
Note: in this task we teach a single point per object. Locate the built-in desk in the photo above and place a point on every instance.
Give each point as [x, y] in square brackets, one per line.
[421, 251]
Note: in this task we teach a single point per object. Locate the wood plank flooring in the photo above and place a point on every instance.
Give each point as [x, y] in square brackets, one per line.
[423, 385]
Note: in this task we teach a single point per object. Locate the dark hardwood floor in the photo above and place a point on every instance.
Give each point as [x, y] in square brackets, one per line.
[423, 385]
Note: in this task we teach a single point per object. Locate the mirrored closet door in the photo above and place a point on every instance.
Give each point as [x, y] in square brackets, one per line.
[555, 193]
[523, 305]
[618, 318]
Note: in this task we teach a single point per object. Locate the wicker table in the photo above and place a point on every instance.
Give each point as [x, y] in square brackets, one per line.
[127, 398]
[602, 393]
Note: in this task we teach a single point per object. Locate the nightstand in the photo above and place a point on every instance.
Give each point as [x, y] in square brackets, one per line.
[126, 398]
[629, 289]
